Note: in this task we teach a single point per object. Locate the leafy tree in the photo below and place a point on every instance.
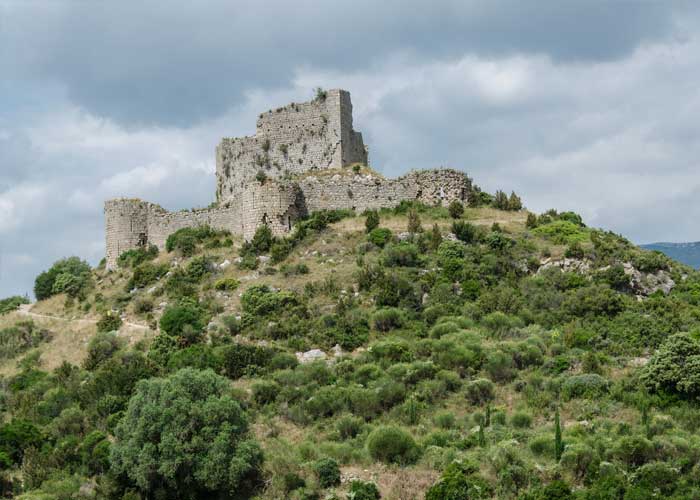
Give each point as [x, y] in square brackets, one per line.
[185, 437]
[453, 485]
[500, 200]
[514, 202]
[392, 445]
[109, 322]
[675, 367]
[70, 275]
[531, 222]
[182, 318]
[435, 237]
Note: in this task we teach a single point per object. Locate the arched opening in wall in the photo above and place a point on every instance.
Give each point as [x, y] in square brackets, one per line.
[289, 223]
[463, 194]
[419, 194]
[265, 219]
[142, 240]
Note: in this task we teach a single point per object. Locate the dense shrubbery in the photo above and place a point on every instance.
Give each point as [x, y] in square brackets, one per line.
[136, 256]
[71, 276]
[450, 353]
[186, 240]
[392, 445]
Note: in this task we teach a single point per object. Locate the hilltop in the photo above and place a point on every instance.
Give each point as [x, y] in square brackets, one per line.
[413, 352]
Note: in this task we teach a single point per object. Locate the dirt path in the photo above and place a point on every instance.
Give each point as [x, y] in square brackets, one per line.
[25, 310]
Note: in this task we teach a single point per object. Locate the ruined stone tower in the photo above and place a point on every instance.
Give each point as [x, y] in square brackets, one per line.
[303, 158]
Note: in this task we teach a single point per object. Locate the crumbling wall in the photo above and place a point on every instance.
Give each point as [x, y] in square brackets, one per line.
[367, 191]
[132, 223]
[291, 140]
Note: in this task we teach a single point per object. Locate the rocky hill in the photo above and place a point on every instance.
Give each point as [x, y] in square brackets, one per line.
[415, 352]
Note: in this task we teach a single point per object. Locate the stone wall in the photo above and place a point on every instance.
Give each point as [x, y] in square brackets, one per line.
[304, 150]
[369, 191]
[132, 223]
[290, 141]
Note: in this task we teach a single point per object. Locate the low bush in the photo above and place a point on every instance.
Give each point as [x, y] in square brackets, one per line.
[371, 221]
[388, 319]
[136, 256]
[586, 385]
[562, 232]
[101, 348]
[328, 472]
[380, 236]
[479, 391]
[243, 359]
[109, 322]
[146, 273]
[521, 420]
[402, 254]
[226, 284]
[362, 490]
[392, 445]
[455, 209]
[183, 318]
[465, 231]
[21, 337]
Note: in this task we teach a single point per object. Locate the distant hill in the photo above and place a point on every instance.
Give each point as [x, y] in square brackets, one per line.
[687, 253]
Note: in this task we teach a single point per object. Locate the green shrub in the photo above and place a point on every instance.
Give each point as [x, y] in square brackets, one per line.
[71, 276]
[479, 391]
[361, 490]
[196, 433]
[392, 445]
[580, 460]
[260, 300]
[521, 420]
[101, 348]
[10, 304]
[265, 392]
[402, 254]
[244, 359]
[388, 319]
[675, 367]
[16, 436]
[452, 485]
[650, 261]
[455, 209]
[109, 322]
[586, 385]
[226, 284]
[179, 318]
[328, 472]
[136, 256]
[280, 250]
[380, 236]
[562, 232]
[574, 251]
[146, 273]
[465, 231]
[185, 240]
[349, 427]
[262, 240]
[372, 221]
[21, 337]
[633, 450]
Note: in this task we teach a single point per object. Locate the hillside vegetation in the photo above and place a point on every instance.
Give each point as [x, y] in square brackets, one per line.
[415, 353]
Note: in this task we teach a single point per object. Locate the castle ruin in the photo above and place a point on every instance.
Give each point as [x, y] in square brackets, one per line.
[303, 158]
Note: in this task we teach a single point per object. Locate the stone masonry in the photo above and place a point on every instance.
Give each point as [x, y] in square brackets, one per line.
[299, 161]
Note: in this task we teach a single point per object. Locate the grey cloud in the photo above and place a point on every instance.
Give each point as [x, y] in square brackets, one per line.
[160, 62]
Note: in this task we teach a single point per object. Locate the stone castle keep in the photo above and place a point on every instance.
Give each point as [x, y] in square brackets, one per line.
[303, 158]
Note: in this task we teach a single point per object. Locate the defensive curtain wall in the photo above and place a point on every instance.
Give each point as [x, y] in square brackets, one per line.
[299, 161]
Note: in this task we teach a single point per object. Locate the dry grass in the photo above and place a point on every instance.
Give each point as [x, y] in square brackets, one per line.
[394, 483]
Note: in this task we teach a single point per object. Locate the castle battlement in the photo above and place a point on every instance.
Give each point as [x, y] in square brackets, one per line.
[296, 163]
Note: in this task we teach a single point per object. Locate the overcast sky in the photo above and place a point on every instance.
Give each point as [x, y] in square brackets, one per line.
[592, 106]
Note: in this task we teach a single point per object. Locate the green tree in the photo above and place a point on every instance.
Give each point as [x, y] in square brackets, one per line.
[558, 443]
[514, 202]
[185, 437]
[500, 200]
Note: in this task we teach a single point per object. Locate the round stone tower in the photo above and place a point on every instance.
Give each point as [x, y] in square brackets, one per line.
[126, 227]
